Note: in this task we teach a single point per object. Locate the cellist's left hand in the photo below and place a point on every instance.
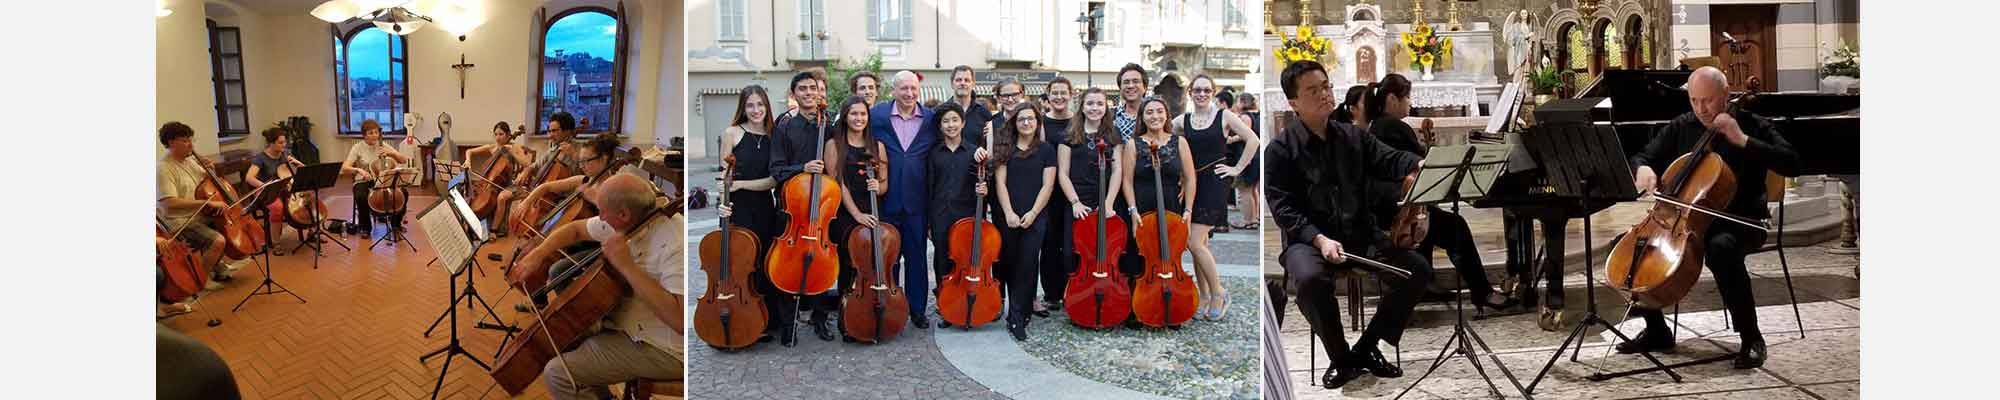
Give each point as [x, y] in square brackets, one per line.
[1732, 132]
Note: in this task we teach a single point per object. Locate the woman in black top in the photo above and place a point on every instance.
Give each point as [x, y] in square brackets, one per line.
[1078, 170]
[1027, 174]
[1388, 103]
[1211, 208]
[1056, 254]
[1174, 170]
[748, 138]
[844, 151]
[952, 184]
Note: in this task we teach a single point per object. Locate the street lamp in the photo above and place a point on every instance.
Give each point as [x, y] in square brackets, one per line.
[1089, 37]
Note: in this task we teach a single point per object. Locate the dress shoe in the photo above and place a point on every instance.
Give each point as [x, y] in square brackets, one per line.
[1371, 359]
[820, 329]
[944, 324]
[789, 336]
[1751, 355]
[1020, 332]
[921, 322]
[1649, 341]
[1336, 377]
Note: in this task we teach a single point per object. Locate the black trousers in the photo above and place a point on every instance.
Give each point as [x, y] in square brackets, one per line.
[1020, 257]
[1312, 276]
[1449, 231]
[1056, 257]
[1520, 229]
[1728, 243]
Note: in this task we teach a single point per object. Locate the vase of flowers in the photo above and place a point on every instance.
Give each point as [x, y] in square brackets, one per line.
[1426, 49]
[1306, 46]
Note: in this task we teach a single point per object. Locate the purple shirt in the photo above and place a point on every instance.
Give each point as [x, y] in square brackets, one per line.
[906, 127]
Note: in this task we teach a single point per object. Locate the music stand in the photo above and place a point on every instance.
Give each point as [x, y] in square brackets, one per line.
[312, 178]
[268, 286]
[455, 238]
[1581, 158]
[395, 234]
[1457, 174]
[477, 231]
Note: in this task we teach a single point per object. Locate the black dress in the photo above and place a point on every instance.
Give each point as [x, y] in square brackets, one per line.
[1211, 195]
[757, 211]
[1056, 256]
[1169, 185]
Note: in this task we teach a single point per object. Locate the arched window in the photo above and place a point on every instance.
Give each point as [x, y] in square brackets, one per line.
[582, 69]
[1576, 48]
[1614, 47]
[371, 79]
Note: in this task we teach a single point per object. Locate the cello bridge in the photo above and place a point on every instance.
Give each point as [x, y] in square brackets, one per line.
[1099, 275]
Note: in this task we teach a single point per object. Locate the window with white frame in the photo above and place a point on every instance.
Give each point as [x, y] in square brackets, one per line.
[733, 20]
[889, 20]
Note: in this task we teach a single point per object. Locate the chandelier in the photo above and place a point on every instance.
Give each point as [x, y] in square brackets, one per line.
[402, 17]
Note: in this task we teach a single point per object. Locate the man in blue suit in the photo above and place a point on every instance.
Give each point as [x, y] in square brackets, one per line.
[902, 127]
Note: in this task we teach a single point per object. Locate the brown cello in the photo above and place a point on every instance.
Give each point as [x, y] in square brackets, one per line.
[185, 276]
[387, 195]
[1658, 260]
[730, 315]
[802, 260]
[968, 296]
[300, 210]
[876, 309]
[485, 193]
[1164, 295]
[244, 235]
[558, 166]
[1413, 220]
[1097, 296]
[579, 297]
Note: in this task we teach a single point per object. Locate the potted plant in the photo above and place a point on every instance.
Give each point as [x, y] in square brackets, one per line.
[1306, 46]
[1545, 81]
[1842, 71]
[1426, 49]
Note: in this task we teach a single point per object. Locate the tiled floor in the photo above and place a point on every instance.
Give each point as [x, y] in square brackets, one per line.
[361, 330]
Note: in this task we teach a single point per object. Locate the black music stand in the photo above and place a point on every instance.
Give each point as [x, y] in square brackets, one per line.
[475, 230]
[256, 210]
[1458, 174]
[312, 178]
[455, 238]
[1586, 164]
[395, 234]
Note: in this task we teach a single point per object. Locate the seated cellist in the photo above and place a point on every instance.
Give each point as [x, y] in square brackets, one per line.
[176, 179]
[1750, 146]
[643, 337]
[592, 159]
[562, 128]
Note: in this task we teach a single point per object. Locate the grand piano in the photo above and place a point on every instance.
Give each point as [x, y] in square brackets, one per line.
[1825, 129]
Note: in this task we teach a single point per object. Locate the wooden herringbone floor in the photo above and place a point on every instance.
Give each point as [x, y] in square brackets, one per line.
[361, 330]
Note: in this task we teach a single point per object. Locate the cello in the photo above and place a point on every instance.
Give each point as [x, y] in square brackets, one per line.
[1165, 295]
[243, 234]
[299, 209]
[485, 193]
[579, 297]
[1413, 220]
[801, 260]
[387, 196]
[876, 308]
[1658, 260]
[184, 272]
[968, 296]
[558, 166]
[730, 315]
[1097, 296]
[575, 206]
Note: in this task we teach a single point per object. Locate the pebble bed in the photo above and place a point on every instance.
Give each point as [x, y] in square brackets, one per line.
[1203, 359]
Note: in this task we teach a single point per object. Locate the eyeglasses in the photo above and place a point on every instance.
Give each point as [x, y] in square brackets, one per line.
[1319, 90]
[1009, 95]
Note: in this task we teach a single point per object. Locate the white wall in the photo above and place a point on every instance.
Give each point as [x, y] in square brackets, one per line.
[289, 64]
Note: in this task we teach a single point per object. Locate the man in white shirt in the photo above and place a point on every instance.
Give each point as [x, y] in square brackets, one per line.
[644, 336]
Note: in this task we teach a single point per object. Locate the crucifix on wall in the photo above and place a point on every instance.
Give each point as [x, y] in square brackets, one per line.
[462, 67]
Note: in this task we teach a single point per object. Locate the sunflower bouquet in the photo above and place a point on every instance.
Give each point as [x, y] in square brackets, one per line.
[1425, 48]
[1305, 46]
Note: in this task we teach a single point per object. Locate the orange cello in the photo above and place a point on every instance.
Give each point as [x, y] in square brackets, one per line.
[1097, 296]
[243, 234]
[969, 297]
[730, 315]
[802, 260]
[1660, 259]
[1165, 295]
[876, 308]
[185, 276]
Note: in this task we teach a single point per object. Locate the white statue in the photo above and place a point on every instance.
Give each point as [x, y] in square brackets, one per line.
[1518, 34]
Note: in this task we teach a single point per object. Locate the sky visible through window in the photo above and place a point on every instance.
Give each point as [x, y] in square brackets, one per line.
[590, 33]
[370, 45]
[580, 56]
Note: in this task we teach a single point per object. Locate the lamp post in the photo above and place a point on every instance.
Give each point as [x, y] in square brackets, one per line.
[1089, 37]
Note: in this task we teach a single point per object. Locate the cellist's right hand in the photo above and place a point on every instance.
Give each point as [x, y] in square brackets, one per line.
[815, 167]
[1329, 249]
[1644, 179]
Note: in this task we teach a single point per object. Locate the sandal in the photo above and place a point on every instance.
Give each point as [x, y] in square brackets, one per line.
[174, 310]
[1248, 226]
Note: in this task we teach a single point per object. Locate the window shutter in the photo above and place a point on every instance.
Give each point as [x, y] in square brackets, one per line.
[908, 24]
[874, 19]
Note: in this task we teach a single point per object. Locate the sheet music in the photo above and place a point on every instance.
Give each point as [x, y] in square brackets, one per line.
[447, 235]
[1504, 108]
[1488, 160]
